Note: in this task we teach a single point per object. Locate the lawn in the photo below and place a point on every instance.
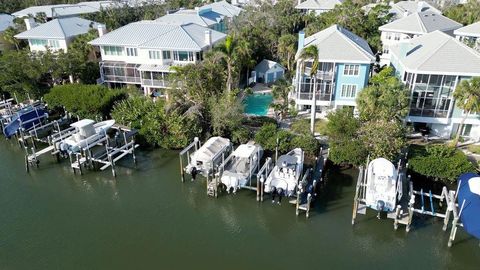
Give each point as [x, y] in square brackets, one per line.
[303, 126]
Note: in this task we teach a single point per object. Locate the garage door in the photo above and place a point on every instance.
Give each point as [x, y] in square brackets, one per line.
[270, 77]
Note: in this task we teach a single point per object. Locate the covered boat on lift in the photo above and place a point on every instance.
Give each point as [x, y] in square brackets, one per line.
[381, 185]
[286, 173]
[87, 132]
[25, 118]
[239, 167]
[209, 156]
[469, 203]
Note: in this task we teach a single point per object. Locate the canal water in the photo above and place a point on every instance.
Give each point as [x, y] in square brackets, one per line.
[148, 219]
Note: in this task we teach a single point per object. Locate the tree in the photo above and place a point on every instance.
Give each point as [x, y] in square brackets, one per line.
[383, 138]
[467, 96]
[287, 50]
[227, 51]
[226, 114]
[280, 91]
[311, 53]
[467, 13]
[9, 37]
[385, 98]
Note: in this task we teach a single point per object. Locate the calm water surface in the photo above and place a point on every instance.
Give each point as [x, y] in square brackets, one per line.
[148, 219]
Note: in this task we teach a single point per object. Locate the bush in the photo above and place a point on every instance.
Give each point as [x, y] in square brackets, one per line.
[302, 126]
[86, 101]
[257, 121]
[439, 162]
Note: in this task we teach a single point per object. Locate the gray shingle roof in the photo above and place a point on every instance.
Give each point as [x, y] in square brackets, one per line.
[438, 53]
[224, 8]
[64, 10]
[5, 21]
[338, 44]
[59, 29]
[472, 30]
[421, 23]
[152, 34]
[203, 18]
[265, 65]
[319, 4]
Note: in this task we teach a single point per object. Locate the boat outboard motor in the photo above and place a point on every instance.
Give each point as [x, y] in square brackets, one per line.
[194, 173]
[380, 207]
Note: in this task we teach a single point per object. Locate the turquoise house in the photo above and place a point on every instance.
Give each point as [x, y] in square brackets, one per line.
[345, 62]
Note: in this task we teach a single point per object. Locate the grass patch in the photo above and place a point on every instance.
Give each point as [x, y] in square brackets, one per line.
[474, 148]
[302, 126]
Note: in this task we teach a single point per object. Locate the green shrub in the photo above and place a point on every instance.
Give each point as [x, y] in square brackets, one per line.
[474, 149]
[307, 142]
[257, 121]
[86, 101]
[439, 162]
[302, 126]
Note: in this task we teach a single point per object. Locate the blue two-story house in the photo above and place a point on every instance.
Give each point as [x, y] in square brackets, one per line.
[344, 60]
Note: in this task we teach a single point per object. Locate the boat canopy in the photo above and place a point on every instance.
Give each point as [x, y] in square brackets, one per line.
[245, 150]
[211, 147]
[469, 197]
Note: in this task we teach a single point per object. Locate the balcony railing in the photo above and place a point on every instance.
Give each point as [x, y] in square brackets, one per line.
[156, 83]
[318, 96]
[121, 79]
[324, 75]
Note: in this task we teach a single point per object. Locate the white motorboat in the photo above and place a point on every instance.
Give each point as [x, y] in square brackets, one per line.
[87, 132]
[209, 155]
[239, 167]
[286, 173]
[381, 185]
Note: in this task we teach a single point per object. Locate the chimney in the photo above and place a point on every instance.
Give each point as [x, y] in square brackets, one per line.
[30, 23]
[208, 37]
[102, 29]
[301, 40]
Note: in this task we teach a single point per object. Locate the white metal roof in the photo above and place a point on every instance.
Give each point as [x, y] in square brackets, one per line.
[6, 21]
[224, 8]
[186, 16]
[59, 29]
[266, 65]
[64, 10]
[319, 4]
[411, 7]
[438, 53]
[153, 35]
[246, 150]
[336, 44]
[421, 23]
[472, 30]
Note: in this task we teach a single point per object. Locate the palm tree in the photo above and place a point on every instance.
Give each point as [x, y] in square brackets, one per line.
[467, 95]
[280, 92]
[9, 37]
[311, 53]
[227, 51]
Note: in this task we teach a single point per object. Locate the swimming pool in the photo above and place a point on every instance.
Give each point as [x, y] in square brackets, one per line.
[258, 104]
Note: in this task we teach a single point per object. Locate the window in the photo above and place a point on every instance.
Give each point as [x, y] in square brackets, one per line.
[167, 55]
[154, 54]
[349, 90]
[397, 36]
[388, 35]
[132, 52]
[38, 42]
[385, 50]
[183, 56]
[112, 50]
[351, 70]
[53, 43]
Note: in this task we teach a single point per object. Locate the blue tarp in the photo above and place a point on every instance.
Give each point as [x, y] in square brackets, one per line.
[25, 118]
[470, 215]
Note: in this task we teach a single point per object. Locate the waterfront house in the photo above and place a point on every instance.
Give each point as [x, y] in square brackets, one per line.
[56, 34]
[470, 35]
[432, 66]
[224, 8]
[413, 25]
[345, 61]
[142, 53]
[202, 16]
[6, 21]
[268, 71]
[317, 6]
[66, 10]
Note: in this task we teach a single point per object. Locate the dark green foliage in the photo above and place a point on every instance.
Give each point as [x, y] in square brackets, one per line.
[86, 101]
[464, 13]
[168, 129]
[257, 121]
[439, 162]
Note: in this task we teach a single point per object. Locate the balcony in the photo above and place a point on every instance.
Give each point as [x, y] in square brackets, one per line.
[121, 79]
[321, 75]
[155, 83]
[323, 92]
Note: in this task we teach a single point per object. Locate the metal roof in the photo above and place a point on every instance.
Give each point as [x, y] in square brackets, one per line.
[153, 34]
[6, 21]
[472, 30]
[153, 67]
[411, 7]
[319, 4]
[185, 16]
[266, 65]
[438, 53]
[224, 8]
[421, 23]
[337, 44]
[61, 28]
[64, 10]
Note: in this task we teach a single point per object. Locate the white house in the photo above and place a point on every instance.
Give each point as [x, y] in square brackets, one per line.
[404, 8]
[317, 6]
[470, 35]
[432, 66]
[202, 16]
[56, 34]
[268, 71]
[413, 25]
[66, 10]
[224, 8]
[142, 53]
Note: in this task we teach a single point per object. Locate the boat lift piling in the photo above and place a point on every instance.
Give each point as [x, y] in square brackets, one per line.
[186, 151]
[299, 206]
[262, 177]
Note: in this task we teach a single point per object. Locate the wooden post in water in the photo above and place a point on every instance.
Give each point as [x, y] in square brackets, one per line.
[182, 176]
[297, 206]
[357, 191]
[309, 201]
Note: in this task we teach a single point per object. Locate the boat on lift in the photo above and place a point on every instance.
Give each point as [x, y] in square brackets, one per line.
[239, 167]
[208, 156]
[286, 174]
[24, 118]
[381, 185]
[87, 132]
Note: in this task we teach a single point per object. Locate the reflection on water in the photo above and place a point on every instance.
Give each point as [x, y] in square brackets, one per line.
[52, 218]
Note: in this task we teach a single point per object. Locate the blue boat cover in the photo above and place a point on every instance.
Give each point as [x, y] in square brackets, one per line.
[470, 193]
[24, 118]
